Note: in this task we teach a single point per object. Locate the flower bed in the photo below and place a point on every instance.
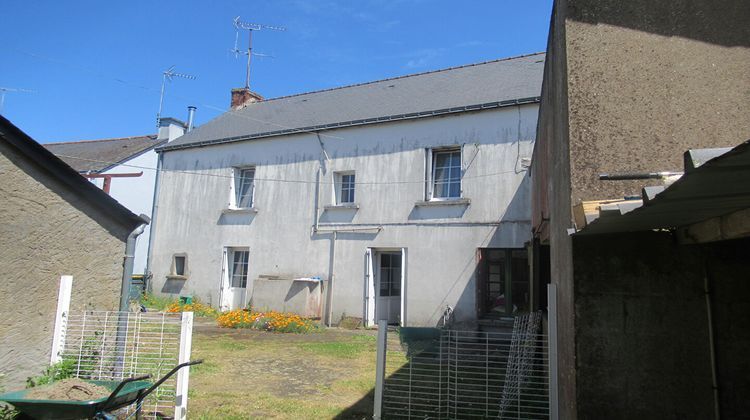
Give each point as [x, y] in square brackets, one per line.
[266, 321]
[198, 308]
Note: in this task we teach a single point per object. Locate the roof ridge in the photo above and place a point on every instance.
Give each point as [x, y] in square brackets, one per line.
[403, 77]
[152, 136]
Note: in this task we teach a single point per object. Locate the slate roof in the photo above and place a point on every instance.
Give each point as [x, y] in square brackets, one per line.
[68, 177]
[485, 85]
[97, 155]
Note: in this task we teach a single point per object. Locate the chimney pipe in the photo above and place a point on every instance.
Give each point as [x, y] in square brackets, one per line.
[191, 118]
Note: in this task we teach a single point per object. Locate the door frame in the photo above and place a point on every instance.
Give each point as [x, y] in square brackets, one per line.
[225, 285]
[370, 294]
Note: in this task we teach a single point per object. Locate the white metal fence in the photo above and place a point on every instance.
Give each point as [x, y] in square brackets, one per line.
[117, 345]
[471, 374]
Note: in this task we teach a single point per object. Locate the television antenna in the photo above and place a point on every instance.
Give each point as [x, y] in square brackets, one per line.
[167, 75]
[4, 90]
[249, 27]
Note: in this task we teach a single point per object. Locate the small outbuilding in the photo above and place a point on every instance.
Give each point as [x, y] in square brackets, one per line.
[54, 223]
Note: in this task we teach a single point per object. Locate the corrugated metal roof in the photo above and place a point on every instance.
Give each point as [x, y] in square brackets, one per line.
[97, 155]
[708, 189]
[472, 87]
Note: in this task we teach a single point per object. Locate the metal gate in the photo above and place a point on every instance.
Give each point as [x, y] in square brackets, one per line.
[116, 345]
[471, 374]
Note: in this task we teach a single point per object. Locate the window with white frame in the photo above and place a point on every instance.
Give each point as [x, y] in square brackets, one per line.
[244, 187]
[344, 187]
[445, 174]
[238, 267]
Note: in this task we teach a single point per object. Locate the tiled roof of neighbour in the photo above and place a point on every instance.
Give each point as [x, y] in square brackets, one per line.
[476, 86]
[96, 155]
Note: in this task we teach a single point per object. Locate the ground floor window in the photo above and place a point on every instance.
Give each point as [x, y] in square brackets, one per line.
[238, 268]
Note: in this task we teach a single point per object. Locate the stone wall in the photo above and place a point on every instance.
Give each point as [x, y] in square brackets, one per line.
[47, 232]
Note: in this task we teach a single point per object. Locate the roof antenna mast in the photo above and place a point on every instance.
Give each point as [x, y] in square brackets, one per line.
[249, 27]
[4, 90]
[167, 75]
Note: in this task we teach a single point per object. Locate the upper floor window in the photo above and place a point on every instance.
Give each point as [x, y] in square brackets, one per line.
[244, 187]
[344, 186]
[445, 180]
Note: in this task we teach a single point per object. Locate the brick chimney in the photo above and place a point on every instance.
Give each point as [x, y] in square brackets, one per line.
[242, 97]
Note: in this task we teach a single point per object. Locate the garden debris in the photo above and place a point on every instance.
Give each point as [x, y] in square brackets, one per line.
[72, 389]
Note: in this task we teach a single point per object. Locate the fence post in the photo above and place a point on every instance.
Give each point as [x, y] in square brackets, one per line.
[183, 375]
[380, 368]
[61, 318]
[552, 343]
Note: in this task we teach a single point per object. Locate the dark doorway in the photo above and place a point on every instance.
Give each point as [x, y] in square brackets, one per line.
[502, 282]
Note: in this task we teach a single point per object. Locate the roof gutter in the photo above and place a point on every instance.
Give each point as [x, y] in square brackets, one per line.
[354, 123]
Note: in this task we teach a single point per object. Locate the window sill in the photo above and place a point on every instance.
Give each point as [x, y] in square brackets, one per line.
[231, 210]
[447, 202]
[346, 206]
[176, 277]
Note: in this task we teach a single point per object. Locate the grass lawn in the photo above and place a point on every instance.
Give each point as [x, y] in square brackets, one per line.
[252, 374]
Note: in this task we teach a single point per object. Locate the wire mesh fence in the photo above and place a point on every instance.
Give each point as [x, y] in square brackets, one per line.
[117, 345]
[472, 374]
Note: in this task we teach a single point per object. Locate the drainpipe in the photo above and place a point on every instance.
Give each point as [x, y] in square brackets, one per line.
[711, 342]
[127, 265]
[154, 210]
[331, 276]
[127, 273]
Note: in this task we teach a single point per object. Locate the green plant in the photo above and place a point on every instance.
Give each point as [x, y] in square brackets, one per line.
[159, 303]
[60, 370]
[7, 412]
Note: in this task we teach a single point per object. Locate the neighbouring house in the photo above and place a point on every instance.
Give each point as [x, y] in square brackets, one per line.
[55, 223]
[125, 168]
[628, 87]
[396, 199]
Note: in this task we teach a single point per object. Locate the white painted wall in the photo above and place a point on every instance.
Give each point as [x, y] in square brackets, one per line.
[389, 160]
[137, 194]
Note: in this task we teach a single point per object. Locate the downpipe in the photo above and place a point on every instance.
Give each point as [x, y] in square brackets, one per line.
[127, 274]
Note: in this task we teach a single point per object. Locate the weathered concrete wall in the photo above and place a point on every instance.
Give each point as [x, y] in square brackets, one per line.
[728, 268]
[47, 232]
[648, 80]
[641, 328]
[551, 208]
[389, 160]
[629, 86]
[287, 295]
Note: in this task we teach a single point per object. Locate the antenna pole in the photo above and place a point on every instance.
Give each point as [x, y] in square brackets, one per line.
[167, 75]
[4, 90]
[249, 56]
[249, 27]
[161, 99]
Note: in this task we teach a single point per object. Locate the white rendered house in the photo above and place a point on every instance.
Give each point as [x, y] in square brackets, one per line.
[392, 200]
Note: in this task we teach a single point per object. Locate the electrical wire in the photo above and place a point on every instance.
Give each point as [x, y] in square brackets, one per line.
[294, 181]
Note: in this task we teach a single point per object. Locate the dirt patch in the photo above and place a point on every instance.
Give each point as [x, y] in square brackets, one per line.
[72, 389]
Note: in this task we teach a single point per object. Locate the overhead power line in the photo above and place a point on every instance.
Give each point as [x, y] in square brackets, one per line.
[281, 180]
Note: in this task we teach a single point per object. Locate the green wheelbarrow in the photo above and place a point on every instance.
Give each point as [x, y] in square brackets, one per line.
[124, 393]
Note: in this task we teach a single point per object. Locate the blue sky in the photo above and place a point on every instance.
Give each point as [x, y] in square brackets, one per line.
[95, 66]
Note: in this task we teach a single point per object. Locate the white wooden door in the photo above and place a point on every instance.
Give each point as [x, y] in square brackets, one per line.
[369, 306]
[234, 280]
[224, 283]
